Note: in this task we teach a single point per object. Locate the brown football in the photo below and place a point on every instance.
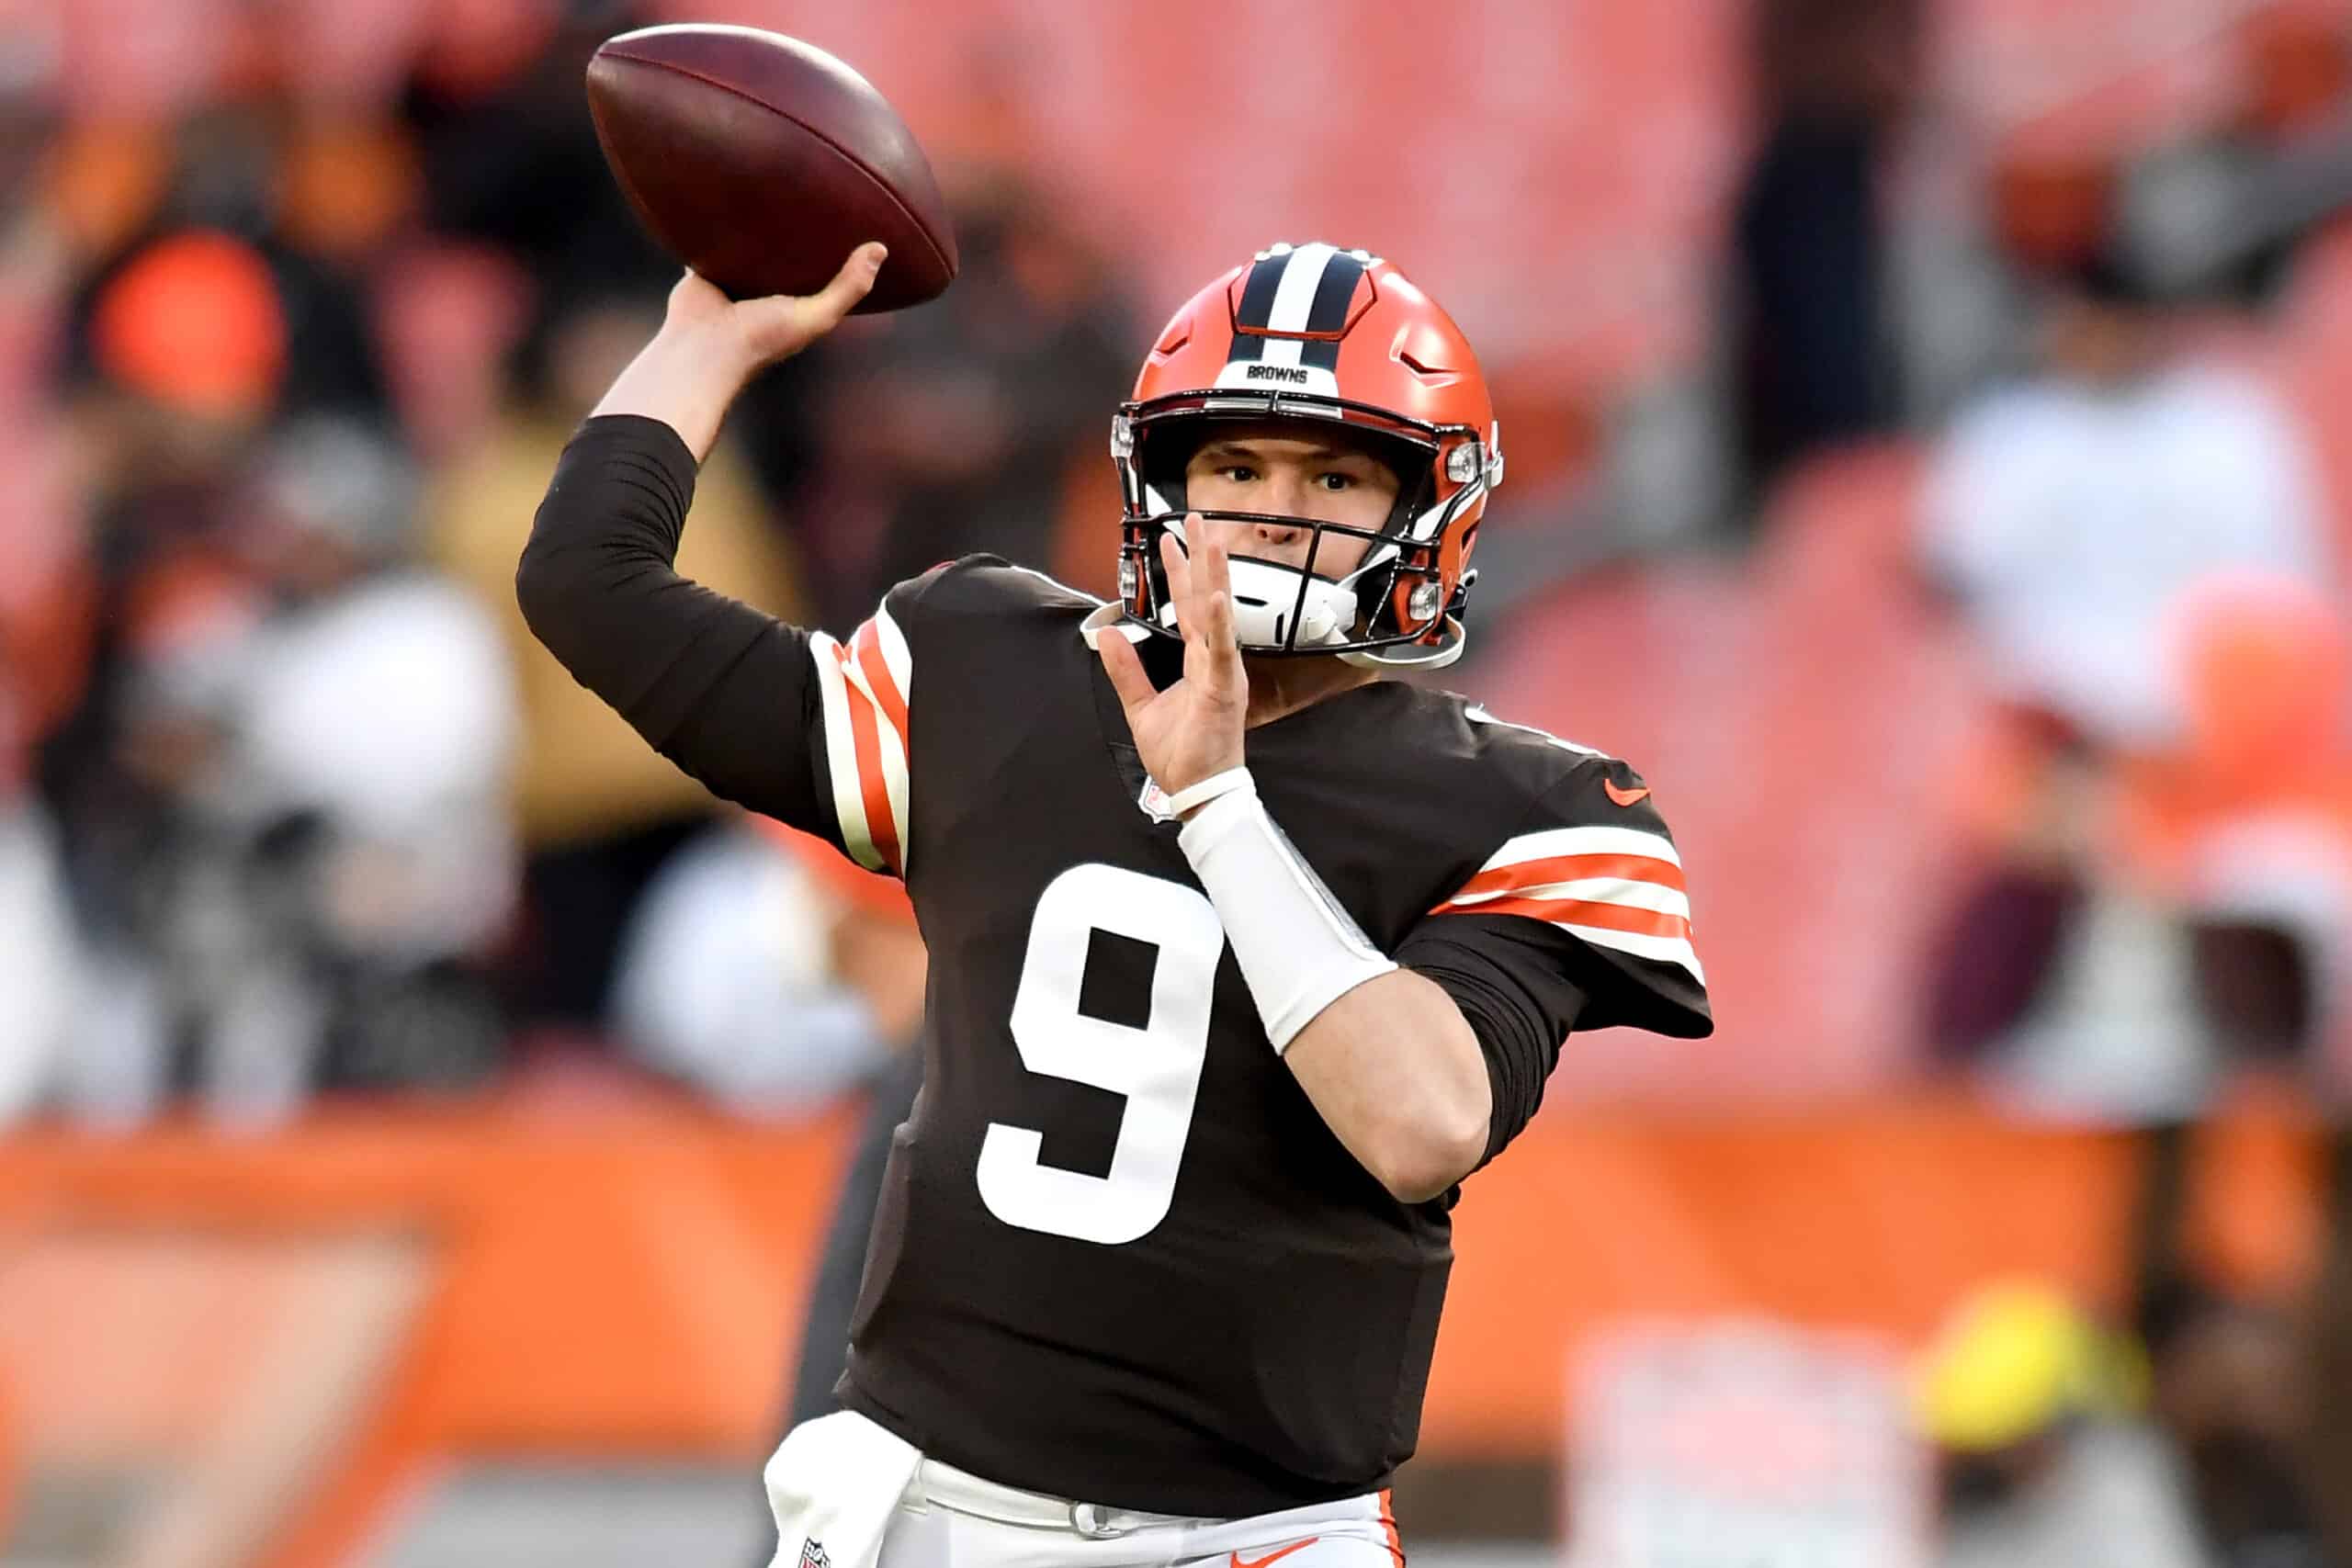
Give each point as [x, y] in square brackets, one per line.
[762, 162]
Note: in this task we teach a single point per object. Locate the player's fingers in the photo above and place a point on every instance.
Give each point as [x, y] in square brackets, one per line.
[850, 285]
[1220, 640]
[1179, 571]
[777, 326]
[1125, 669]
[1212, 573]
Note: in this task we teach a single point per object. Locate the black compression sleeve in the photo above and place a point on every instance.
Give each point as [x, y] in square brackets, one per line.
[1509, 976]
[724, 691]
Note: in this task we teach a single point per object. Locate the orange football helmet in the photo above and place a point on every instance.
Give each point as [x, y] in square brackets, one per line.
[1315, 332]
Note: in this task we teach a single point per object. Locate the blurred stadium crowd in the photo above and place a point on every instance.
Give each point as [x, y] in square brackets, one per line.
[1951, 519]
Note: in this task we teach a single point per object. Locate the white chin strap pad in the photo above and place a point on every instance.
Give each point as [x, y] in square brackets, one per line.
[1264, 595]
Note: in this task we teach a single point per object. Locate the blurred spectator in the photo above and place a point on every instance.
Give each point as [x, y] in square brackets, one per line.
[39, 963]
[599, 812]
[44, 608]
[298, 847]
[2040, 1460]
[2072, 517]
[1814, 364]
[509, 154]
[2245, 823]
[2225, 211]
[758, 969]
[242, 188]
[2228, 1389]
[959, 430]
[2070, 509]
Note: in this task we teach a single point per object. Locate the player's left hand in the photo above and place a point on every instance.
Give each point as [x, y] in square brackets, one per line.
[1194, 729]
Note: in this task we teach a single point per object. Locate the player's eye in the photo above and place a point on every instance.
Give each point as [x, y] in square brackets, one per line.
[1335, 481]
[1239, 473]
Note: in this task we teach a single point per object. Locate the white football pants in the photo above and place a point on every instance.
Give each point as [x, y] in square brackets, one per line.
[939, 1516]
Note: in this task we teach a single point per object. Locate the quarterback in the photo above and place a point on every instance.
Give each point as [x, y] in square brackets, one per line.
[1243, 957]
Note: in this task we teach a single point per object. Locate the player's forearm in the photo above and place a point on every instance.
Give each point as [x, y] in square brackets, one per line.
[1399, 1076]
[686, 377]
[1385, 1055]
[715, 686]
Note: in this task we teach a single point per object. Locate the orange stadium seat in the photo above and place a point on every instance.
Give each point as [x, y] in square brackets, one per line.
[1853, 704]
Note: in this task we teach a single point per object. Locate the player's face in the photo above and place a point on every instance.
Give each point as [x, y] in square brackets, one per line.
[1293, 473]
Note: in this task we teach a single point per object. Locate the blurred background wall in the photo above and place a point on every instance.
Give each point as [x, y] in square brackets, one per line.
[1928, 425]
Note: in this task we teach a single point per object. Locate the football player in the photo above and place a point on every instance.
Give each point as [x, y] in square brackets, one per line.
[1242, 957]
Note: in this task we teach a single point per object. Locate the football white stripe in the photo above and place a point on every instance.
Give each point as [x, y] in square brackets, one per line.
[841, 753]
[1295, 295]
[1555, 841]
[1662, 949]
[892, 748]
[1616, 890]
[897, 657]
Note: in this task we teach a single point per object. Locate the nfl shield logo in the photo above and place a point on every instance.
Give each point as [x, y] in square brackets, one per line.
[812, 1554]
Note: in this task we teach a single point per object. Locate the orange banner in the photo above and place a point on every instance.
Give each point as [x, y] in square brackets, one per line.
[626, 1278]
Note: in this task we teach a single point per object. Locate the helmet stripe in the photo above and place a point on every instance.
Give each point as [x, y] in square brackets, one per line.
[1329, 312]
[1294, 297]
[1257, 306]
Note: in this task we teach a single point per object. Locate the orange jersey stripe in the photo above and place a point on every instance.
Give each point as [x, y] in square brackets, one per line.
[868, 644]
[1389, 1523]
[1571, 868]
[1579, 912]
[872, 785]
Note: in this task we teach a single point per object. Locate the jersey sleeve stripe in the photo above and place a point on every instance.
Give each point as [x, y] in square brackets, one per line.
[881, 681]
[897, 657]
[841, 751]
[1552, 843]
[876, 745]
[1626, 893]
[1579, 912]
[1573, 868]
[1657, 948]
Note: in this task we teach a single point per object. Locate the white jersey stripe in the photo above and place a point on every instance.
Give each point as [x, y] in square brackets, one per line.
[841, 752]
[890, 745]
[1554, 842]
[895, 657]
[1661, 949]
[1626, 893]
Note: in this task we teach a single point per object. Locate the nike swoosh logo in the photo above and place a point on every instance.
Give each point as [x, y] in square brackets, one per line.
[1241, 1562]
[1624, 796]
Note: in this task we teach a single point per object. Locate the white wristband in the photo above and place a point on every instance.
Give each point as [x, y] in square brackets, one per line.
[1209, 788]
[1298, 950]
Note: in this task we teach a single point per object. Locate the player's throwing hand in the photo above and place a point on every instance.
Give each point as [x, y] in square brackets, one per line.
[759, 332]
[709, 346]
[1193, 731]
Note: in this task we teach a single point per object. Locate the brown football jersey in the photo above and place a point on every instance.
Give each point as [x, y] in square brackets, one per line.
[1119, 1255]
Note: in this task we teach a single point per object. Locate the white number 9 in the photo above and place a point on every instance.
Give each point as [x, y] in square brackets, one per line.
[1157, 1067]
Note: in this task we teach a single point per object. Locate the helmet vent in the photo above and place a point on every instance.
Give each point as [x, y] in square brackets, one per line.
[1417, 368]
